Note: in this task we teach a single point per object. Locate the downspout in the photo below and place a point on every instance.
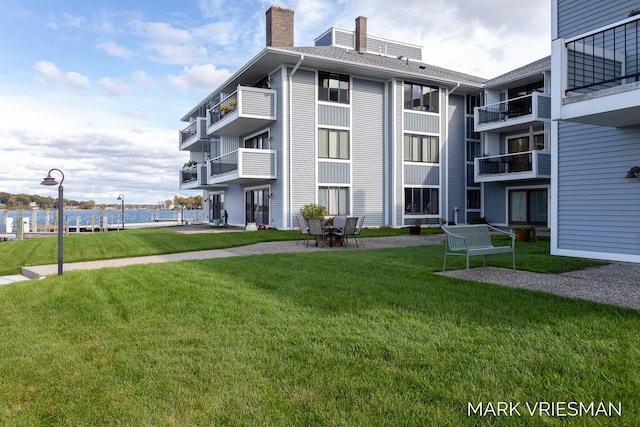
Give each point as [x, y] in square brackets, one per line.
[287, 218]
[446, 170]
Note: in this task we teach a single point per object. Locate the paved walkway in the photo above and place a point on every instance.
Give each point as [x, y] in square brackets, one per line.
[616, 283]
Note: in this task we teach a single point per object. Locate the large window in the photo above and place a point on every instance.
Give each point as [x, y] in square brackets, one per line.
[524, 143]
[333, 144]
[258, 141]
[335, 199]
[421, 148]
[421, 201]
[421, 97]
[333, 87]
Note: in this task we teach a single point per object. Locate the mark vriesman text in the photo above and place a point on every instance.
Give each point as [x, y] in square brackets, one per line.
[545, 409]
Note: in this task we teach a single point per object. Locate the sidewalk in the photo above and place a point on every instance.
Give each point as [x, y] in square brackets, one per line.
[36, 272]
[616, 283]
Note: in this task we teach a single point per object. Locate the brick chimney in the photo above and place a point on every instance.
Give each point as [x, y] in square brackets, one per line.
[279, 27]
[361, 34]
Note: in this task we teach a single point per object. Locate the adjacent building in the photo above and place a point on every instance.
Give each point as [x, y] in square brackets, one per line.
[512, 156]
[595, 138]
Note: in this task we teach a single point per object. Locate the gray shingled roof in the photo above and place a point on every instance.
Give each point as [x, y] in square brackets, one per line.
[378, 61]
[536, 67]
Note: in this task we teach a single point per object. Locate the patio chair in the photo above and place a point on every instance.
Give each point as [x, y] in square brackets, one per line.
[304, 230]
[357, 235]
[315, 229]
[349, 230]
[339, 221]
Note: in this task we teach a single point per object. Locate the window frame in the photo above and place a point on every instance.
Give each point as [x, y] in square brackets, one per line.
[334, 87]
[422, 144]
[334, 198]
[416, 96]
[413, 207]
[339, 145]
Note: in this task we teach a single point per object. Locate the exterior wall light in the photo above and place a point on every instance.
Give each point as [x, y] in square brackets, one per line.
[634, 172]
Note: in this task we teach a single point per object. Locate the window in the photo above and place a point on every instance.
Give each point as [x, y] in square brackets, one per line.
[522, 143]
[333, 144]
[335, 199]
[333, 87]
[421, 148]
[421, 201]
[473, 150]
[473, 199]
[421, 98]
[259, 141]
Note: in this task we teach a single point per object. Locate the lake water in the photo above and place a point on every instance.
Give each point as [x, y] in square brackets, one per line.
[85, 217]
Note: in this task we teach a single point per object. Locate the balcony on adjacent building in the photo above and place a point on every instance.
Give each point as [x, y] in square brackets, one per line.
[601, 82]
[194, 137]
[513, 114]
[244, 165]
[515, 166]
[244, 111]
[194, 177]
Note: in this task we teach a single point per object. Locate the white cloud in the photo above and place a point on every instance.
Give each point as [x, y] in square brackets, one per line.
[113, 86]
[144, 80]
[50, 72]
[199, 77]
[113, 49]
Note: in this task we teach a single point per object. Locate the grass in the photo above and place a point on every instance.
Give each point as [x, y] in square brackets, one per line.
[325, 338]
[134, 243]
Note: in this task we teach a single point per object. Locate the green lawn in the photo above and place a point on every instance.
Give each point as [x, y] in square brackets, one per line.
[363, 338]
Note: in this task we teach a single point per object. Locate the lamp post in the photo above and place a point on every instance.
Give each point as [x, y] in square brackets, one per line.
[121, 197]
[49, 180]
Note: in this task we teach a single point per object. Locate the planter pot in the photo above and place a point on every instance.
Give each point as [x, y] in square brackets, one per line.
[414, 230]
[251, 226]
[521, 235]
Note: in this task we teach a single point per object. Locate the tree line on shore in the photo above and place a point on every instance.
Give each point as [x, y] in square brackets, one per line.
[25, 201]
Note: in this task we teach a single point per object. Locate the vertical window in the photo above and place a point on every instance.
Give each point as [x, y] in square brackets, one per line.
[473, 150]
[335, 199]
[421, 148]
[421, 201]
[473, 199]
[333, 87]
[333, 144]
[421, 97]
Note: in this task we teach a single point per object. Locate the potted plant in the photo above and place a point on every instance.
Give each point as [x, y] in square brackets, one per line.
[233, 103]
[524, 233]
[224, 109]
[416, 228]
[312, 210]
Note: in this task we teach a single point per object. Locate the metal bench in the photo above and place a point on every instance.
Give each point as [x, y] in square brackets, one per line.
[470, 240]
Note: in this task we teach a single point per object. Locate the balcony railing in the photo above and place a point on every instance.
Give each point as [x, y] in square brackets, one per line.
[513, 112]
[524, 165]
[189, 174]
[194, 137]
[604, 59]
[242, 164]
[244, 111]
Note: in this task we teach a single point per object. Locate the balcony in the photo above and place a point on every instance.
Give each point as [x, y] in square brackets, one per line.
[511, 167]
[194, 137]
[245, 111]
[242, 166]
[601, 83]
[513, 114]
[193, 178]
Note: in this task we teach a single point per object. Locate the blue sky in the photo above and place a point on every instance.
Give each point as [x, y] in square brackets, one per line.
[97, 88]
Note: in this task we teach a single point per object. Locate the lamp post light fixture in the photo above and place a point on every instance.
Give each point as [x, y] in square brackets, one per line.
[121, 197]
[49, 181]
